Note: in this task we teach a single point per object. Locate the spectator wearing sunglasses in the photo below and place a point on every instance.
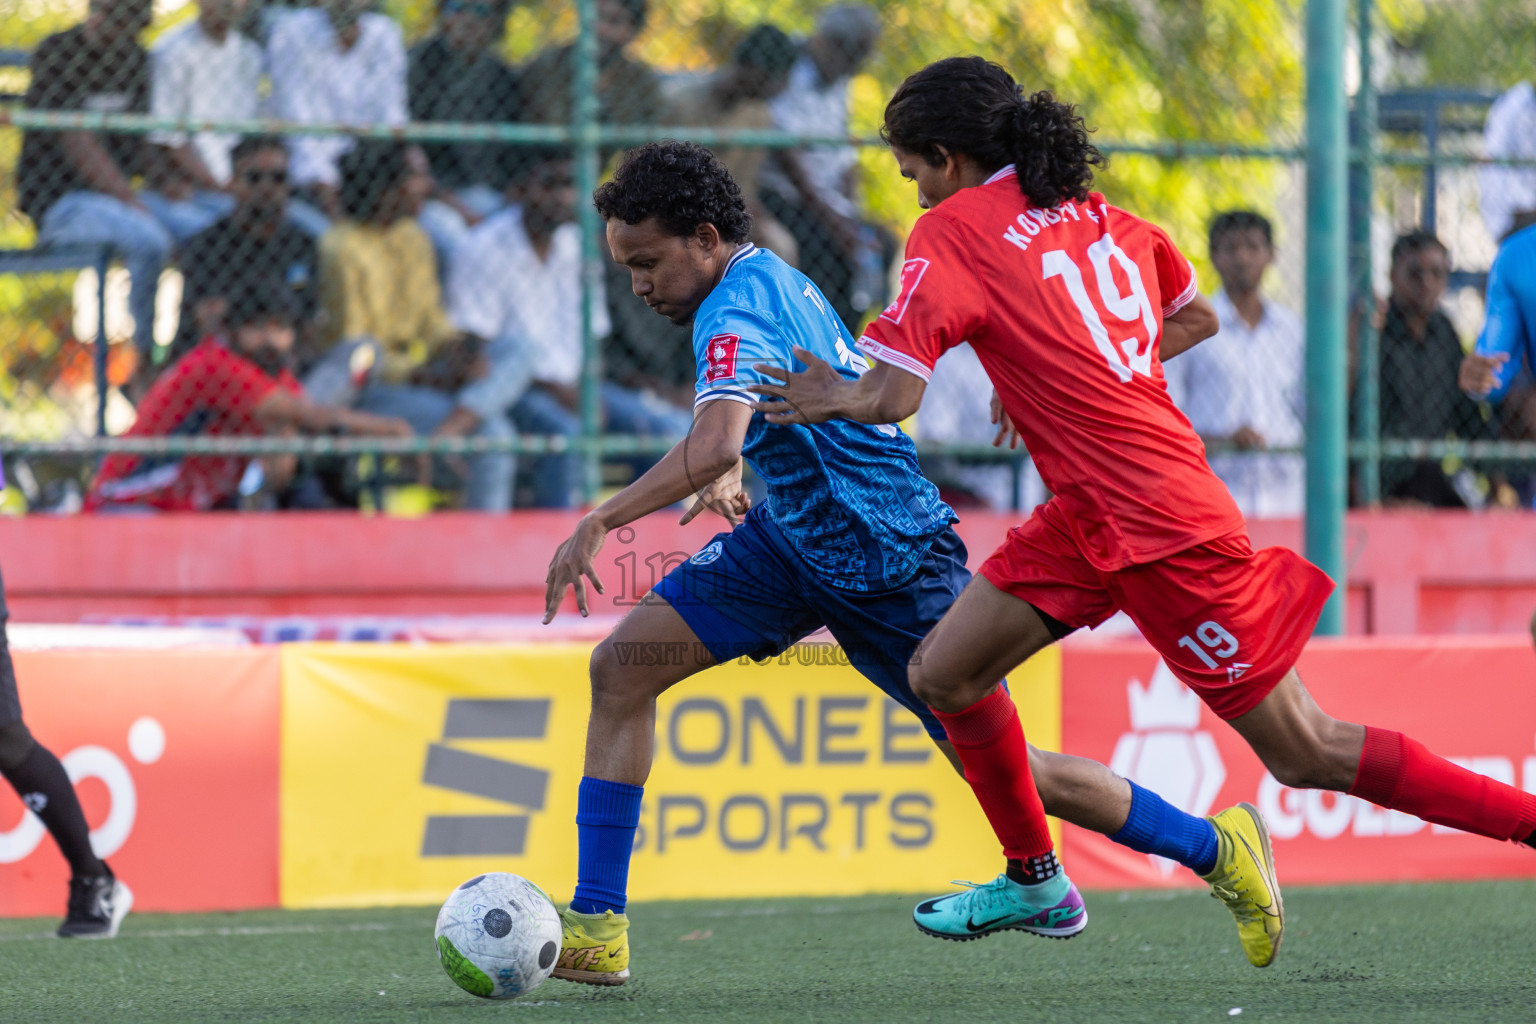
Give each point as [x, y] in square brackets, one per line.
[252, 251]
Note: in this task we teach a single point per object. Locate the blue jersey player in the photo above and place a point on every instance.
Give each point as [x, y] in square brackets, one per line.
[851, 537]
[1509, 334]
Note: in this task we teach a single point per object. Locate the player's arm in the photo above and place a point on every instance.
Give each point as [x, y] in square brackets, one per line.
[1484, 374]
[884, 394]
[711, 450]
[1188, 327]
[282, 410]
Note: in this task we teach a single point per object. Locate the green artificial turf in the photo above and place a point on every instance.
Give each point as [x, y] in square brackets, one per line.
[1400, 953]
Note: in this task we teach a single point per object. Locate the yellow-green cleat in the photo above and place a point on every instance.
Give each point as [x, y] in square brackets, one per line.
[594, 948]
[1244, 879]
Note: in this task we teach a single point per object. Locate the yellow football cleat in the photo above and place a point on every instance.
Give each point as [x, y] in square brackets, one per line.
[1244, 879]
[594, 948]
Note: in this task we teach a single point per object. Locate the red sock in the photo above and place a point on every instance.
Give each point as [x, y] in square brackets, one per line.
[990, 742]
[1403, 774]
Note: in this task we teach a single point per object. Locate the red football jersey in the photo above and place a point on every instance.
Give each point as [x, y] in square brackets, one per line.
[1065, 308]
[209, 392]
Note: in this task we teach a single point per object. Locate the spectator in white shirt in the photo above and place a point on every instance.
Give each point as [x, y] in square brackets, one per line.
[1510, 131]
[206, 70]
[1242, 389]
[335, 64]
[814, 192]
[516, 281]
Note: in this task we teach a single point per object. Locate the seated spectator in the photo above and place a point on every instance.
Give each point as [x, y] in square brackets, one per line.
[814, 192]
[391, 348]
[334, 64]
[628, 91]
[736, 98]
[255, 248]
[1420, 358]
[1509, 132]
[239, 388]
[77, 186]
[206, 70]
[456, 75]
[1243, 389]
[517, 280]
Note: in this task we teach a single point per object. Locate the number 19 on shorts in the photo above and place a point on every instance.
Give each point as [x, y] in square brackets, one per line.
[1212, 644]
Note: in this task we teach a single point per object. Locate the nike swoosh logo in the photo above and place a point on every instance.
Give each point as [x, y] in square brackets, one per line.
[1269, 882]
[972, 926]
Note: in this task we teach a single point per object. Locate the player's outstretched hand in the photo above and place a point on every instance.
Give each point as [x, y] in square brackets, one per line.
[1480, 374]
[1006, 431]
[812, 395]
[724, 497]
[572, 562]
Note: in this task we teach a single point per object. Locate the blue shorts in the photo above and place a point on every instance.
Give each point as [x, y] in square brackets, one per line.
[748, 593]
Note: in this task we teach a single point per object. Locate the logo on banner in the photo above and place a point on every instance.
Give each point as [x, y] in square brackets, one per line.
[146, 744]
[912, 273]
[1166, 751]
[517, 785]
[721, 355]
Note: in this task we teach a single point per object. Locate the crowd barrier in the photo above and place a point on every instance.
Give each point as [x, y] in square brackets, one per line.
[351, 775]
[1409, 572]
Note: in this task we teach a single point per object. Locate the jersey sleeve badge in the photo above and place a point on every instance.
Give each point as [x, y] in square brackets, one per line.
[912, 273]
[721, 357]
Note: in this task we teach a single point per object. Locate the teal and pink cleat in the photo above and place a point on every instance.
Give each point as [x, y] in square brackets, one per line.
[1053, 908]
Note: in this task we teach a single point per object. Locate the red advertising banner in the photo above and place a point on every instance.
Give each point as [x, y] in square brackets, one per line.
[1468, 699]
[175, 757]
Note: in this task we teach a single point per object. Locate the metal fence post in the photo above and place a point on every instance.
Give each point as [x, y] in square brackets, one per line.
[1362, 209]
[1327, 183]
[99, 362]
[584, 123]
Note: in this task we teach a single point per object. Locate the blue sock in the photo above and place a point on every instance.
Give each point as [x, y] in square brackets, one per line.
[607, 814]
[1156, 826]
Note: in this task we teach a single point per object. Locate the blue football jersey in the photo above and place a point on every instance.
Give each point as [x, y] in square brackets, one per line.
[1510, 329]
[848, 496]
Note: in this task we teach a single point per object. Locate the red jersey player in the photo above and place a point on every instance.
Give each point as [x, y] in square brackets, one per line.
[1071, 304]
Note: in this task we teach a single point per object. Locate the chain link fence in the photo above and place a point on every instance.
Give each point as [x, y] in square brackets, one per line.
[341, 255]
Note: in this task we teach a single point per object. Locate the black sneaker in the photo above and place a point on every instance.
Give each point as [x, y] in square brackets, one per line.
[97, 905]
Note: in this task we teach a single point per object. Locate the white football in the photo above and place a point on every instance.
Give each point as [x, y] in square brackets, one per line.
[498, 936]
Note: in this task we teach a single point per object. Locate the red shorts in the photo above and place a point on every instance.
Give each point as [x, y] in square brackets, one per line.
[1229, 621]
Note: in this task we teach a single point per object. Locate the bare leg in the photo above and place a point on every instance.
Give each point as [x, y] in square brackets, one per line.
[1300, 744]
[621, 730]
[1074, 789]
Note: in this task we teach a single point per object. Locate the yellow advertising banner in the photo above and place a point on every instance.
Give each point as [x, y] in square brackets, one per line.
[406, 769]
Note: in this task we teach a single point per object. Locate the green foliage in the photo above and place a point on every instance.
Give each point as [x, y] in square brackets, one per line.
[1481, 43]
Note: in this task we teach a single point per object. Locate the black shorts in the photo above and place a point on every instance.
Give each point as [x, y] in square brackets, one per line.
[10, 702]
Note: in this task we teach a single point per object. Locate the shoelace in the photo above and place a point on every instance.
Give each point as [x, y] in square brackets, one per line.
[984, 896]
[1236, 900]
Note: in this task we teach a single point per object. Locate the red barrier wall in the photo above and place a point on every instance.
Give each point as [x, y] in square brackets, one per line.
[1471, 700]
[1409, 572]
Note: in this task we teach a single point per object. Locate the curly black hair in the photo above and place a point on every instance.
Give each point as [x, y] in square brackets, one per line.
[681, 184]
[972, 106]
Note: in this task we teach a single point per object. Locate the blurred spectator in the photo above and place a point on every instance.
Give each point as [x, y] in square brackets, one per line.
[517, 281]
[628, 91]
[393, 350]
[456, 75]
[254, 249]
[1420, 357]
[335, 64]
[206, 70]
[735, 98]
[1243, 389]
[1509, 132]
[814, 192]
[240, 389]
[77, 185]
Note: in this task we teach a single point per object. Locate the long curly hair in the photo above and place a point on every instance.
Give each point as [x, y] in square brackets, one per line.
[972, 106]
[681, 184]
